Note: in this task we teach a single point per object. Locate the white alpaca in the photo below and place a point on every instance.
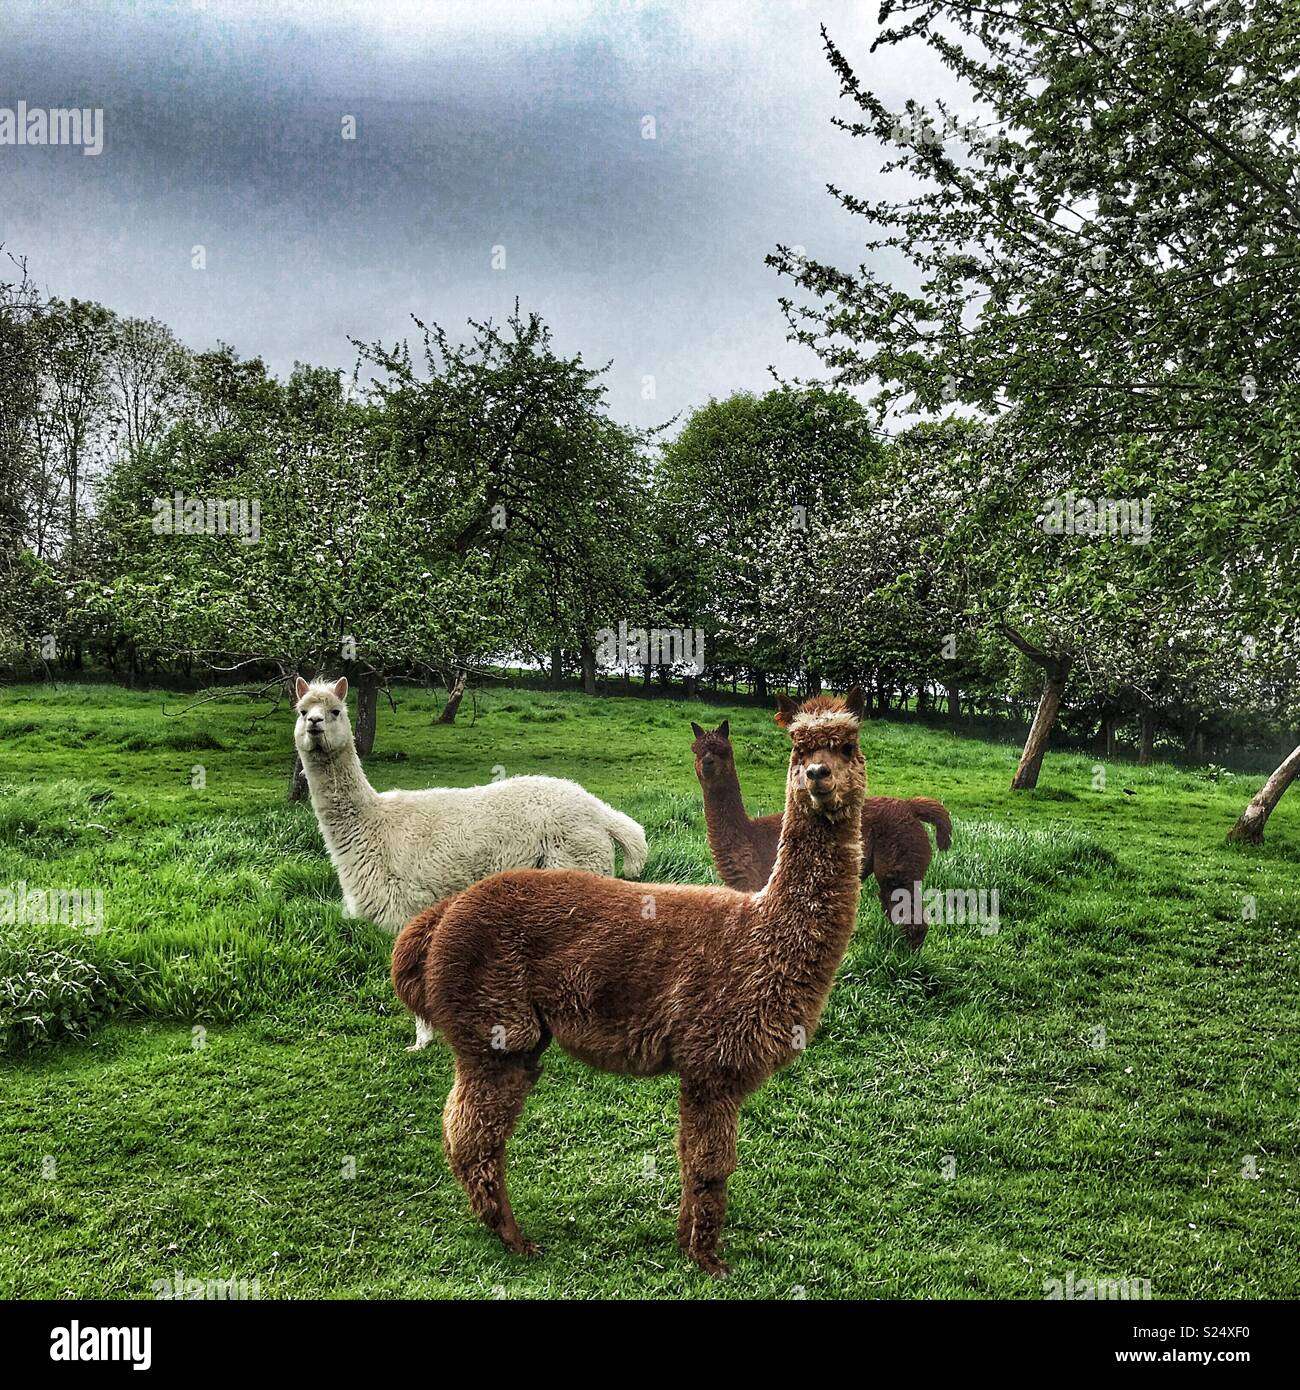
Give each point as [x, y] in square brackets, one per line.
[398, 852]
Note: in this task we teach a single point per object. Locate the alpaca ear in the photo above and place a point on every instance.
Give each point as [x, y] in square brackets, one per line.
[725, 728]
[300, 688]
[341, 687]
[855, 702]
[786, 709]
[696, 730]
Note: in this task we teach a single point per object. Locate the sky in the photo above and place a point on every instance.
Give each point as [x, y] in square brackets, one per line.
[500, 153]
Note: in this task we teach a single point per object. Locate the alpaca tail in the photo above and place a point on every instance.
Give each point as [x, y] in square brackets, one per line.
[936, 813]
[408, 956]
[629, 836]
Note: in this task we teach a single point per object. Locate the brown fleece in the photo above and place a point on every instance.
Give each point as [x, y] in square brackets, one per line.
[407, 967]
[718, 986]
[895, 847]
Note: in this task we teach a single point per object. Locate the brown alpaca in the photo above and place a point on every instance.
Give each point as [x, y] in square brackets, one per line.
[721, 987]
[895, 846]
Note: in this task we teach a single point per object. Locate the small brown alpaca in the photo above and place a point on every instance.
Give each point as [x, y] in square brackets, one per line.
[895, 846]
[721, 987]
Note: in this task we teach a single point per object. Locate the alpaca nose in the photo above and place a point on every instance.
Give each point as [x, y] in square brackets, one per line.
[818, 771]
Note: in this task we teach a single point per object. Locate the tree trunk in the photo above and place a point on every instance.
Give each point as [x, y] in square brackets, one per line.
[954, 702]
[1148, 748]
[454, 696]
[74, 498]
[692, 686]
[1189, 734]
[814, 682]
[1040, 732]
[297, 781]
[1249, 828]
[760, 684]
[649, 679]
[367, 713]
[587, 655]
[557, 668]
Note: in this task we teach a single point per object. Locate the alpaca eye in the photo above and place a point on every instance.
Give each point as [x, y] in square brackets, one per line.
[848, 750]
[334, 714]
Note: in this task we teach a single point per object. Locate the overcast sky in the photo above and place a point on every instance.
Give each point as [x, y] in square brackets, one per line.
[488, 123]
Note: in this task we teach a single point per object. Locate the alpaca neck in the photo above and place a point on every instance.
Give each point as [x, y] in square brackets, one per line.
[810, 904]
[725, 820]
[338, 785]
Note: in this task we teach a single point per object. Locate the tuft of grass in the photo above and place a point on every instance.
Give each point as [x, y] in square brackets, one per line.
[39, 819]
[53, 992]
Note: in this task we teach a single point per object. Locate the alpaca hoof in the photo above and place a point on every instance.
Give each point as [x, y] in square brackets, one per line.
[417, 1046]
[521, 1245]
[915, 936]
[712, 1266]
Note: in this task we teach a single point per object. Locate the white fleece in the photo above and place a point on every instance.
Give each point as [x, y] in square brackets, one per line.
[399, 852]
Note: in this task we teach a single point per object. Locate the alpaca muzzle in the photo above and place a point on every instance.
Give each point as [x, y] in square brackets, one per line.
[818, 780]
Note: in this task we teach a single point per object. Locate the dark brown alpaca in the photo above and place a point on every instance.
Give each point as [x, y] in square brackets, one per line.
[895, 846]
[721, 987]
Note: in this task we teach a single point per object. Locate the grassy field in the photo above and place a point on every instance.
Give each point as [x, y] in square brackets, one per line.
[1105, 1086]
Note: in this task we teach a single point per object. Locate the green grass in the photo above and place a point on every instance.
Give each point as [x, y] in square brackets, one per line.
[255, 1058]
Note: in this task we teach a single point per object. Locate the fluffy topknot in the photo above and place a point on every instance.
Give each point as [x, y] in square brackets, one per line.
[819, 709]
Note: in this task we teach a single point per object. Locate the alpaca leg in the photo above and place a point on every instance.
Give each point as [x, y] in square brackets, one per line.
[909, 858]
[482, 1111]
[903, 911]
[424, 1035]
[706, 1151]
[887, 905]
[916, 933]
